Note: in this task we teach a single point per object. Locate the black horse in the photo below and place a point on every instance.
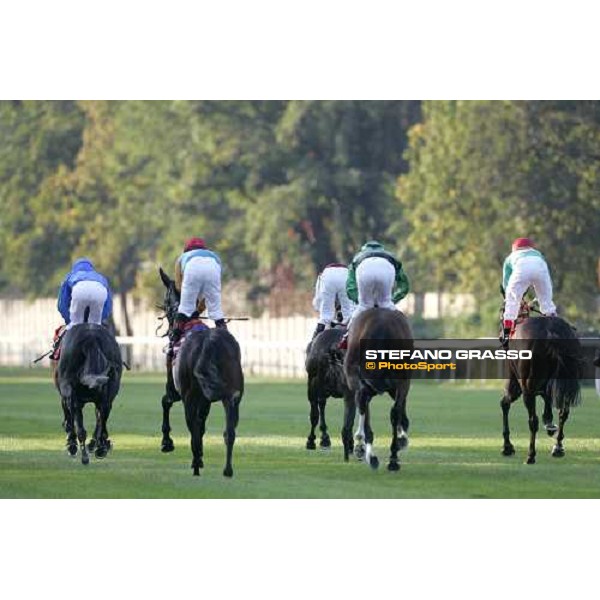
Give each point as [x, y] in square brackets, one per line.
[376, 324]
[552, 373]
[206, 370]
[326, 378]
[89, 370]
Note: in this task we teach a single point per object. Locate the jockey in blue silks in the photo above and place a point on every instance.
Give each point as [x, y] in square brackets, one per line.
[84, 287]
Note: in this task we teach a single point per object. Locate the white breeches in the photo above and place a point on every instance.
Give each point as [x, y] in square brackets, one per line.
[84, 294]
[375, 281]
[331, 285]
[529, 271]
[201, 279]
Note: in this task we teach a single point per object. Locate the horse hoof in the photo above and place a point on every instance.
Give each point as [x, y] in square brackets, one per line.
[72, 450]
[508, 450]
[325, 442]
[196, 472]
[374, 462]
[551, 429]
[359, 452]
[310, 445]
[530, 460]
[228, 472]
[558, 451]
[101, 452]
[393, 466]
[167, 446]
[92, 445]
[85, 459]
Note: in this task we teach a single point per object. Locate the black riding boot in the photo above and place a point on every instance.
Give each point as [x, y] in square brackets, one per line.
[221, 324]
[320, 327]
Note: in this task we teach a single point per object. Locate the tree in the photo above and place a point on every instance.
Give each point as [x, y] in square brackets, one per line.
[483, 173]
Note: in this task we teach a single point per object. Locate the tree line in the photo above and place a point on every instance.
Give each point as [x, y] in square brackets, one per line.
[281, 188]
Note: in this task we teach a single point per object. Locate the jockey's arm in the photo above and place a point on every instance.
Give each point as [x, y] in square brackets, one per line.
[108, 305]
[317, 298]
[351, 286]
[64, 301]
[178, 275]
[402, 285]
[506, 272]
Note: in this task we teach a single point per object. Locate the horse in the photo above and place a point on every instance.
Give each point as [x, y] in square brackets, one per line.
[89, 370]
[326, 378]
[376, 324]
[206, 370]
[553, 373]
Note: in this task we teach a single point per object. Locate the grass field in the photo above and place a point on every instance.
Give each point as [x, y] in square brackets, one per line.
[454, 451]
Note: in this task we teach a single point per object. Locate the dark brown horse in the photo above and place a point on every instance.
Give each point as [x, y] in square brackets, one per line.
[206, 370]
[553, 373]
[375, 324]
[89, 370]
[326, 379]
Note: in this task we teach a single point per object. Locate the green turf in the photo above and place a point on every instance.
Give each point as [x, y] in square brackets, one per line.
[454, 448]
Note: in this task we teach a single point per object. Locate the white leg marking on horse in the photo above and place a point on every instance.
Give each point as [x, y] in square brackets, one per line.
[369, 452]
[360, 432]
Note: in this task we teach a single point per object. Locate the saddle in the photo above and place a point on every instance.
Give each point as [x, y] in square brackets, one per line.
[194, 324]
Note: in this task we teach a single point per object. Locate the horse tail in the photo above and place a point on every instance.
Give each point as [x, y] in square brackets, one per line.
[94, 373]
[218, 370]
[86, 314]
[564, 386]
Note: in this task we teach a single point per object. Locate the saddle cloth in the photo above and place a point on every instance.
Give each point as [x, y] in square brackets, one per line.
[188, 328]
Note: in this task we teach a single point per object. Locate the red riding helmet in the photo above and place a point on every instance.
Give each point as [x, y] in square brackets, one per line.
[194, 244]
[522, 243]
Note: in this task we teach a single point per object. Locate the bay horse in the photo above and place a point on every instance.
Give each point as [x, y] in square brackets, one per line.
[326, 379]
[553, 373]
[376, 324]
[207, 369]
[89, 370]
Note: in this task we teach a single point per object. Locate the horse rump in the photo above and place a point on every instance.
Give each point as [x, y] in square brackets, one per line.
[89, 356]
[215, 360]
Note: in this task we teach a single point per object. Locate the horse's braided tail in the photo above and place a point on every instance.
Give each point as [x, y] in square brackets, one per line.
[96, 366]
[564, 385]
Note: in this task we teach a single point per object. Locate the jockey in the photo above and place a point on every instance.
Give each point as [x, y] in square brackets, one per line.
[198, 275]
[375, 278]
[331, 288]
[524, 267]
[84, 287]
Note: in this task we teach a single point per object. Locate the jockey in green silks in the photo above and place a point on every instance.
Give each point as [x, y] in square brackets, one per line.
[375, 278]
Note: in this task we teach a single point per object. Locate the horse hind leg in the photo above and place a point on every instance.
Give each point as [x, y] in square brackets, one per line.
[231, 405]
[529, 400]
[511, 393]
[80, 429]
[394, 465]
[547, 416]
[325, 442]
[102, 442]
[558, 450]
[313, 416]
[69, 427]
[349, 414]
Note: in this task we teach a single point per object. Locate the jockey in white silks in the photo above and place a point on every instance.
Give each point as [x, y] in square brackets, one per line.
[329, 289]
[198, 276]
[524, 267]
